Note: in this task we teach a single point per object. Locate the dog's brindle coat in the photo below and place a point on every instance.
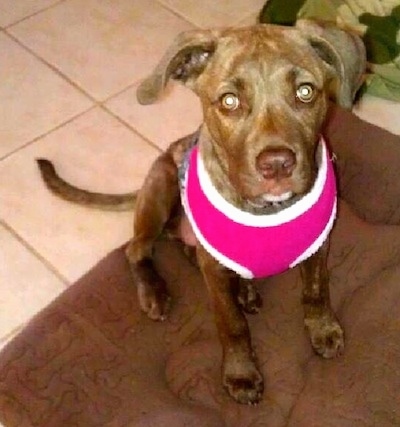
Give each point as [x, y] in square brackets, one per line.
[264, 91]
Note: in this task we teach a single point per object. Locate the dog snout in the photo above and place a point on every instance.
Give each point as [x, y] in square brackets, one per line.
[276, 162]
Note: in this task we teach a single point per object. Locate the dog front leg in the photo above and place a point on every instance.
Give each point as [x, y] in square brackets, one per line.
[154, 205]
[240, 375]
[326, 334]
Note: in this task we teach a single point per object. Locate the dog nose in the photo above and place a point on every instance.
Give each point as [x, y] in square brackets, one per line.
[277, 162]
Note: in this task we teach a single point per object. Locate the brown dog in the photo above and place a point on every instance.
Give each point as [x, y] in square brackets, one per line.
[264, 91]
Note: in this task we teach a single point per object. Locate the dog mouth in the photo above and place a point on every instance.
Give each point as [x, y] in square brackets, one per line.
[267, 199]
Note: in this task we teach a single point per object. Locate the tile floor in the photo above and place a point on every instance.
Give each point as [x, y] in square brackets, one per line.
[69, 69]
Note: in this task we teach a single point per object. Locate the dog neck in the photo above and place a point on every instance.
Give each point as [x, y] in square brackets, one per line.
[255, 245]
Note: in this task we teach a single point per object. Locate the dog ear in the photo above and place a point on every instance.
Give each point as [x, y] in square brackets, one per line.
[185, 60]
[343, 52]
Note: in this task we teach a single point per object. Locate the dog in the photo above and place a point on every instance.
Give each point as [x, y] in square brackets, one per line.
[257, 159]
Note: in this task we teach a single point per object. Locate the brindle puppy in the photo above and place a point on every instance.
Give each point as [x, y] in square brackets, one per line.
[264, 91]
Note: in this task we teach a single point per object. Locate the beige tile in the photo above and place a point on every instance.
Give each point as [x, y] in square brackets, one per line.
[249, 19]
[14, 10]
[26, 285]
[102, 45]
[211, 13]
[93, 151]
[380, 112]
[10, 335]
[176, 114]
[33, 98]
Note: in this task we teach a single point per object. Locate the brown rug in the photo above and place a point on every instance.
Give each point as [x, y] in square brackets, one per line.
[92, 359]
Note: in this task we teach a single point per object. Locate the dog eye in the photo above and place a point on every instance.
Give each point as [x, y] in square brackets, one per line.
[230, 102]
[305, 92]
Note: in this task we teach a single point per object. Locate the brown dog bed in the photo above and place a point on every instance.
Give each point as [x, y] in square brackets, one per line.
[92, 359]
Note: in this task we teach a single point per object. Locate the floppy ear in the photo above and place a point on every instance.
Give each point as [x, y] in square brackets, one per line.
[343, 52]
[185, 60]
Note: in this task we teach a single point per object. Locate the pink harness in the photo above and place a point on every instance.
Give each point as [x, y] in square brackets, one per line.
[256, 246]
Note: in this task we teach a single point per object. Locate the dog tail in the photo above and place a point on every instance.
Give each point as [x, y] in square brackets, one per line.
[66, 191]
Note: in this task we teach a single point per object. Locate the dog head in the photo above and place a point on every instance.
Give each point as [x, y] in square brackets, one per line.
[264, 92]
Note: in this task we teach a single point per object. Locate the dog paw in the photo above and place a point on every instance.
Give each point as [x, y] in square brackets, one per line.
[244, 387]
[327, 337]
[154, 301]
[249, 298]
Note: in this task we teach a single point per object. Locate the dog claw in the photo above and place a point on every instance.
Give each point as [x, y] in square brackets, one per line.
[327, 337]
[246, 390]
[158, 308]
[154, 301]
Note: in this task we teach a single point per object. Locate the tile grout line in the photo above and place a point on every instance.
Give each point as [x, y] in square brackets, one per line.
[131, 128]
[96, 103]
[59, 72]
[177, 13]
[120, 92]
[61, 75]
[108, 110]
[76, 116]
[48, 132]
[33, 14]
[180, 15]
[34, 252]
[52, 67]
